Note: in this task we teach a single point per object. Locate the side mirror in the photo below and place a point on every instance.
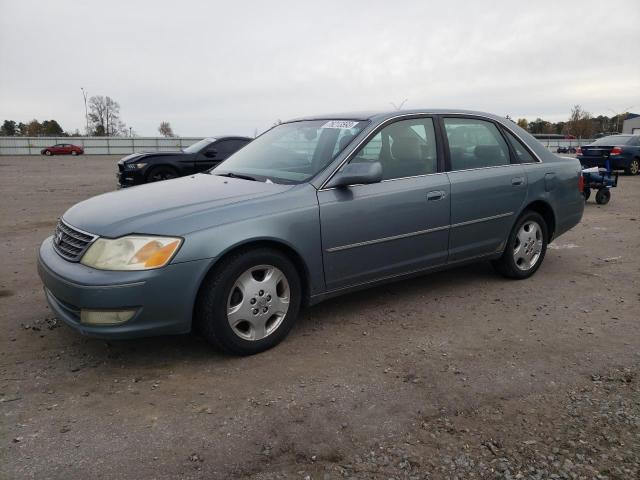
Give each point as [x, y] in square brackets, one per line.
[211, 153]
[357, 173]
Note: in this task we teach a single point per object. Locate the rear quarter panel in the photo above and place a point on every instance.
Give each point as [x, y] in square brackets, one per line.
[555, 181]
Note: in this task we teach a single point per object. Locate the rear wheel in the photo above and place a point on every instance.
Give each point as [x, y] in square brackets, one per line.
[250, 302]
[157, 174]
[603, 196]
[525, 248]
[634, 167]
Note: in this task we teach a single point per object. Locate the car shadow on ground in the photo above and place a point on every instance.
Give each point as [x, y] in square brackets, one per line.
[192, 348]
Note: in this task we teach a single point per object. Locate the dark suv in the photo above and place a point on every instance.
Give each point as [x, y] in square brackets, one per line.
[139, 168]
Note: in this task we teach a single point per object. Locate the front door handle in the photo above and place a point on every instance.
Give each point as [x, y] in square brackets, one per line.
[517, 181]
[436, 195]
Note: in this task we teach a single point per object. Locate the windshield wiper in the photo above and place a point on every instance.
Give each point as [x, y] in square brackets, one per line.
[237, 175]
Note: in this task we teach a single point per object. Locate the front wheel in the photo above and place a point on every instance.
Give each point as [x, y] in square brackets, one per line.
[157, 174]
[74, 153]
[48, 153]
[250, 302]
[525, 248]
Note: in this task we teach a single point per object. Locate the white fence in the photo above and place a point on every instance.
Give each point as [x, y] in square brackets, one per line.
[94, 145]
[126, 145]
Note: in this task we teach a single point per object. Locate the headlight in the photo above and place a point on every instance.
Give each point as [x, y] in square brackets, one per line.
[131, 253]
[136, 166]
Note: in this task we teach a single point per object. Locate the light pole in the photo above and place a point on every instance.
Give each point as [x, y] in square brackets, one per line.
[86, 113]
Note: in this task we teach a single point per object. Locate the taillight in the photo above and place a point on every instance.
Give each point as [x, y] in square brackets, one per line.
[578, 151]
[615, 151]
[581, 183]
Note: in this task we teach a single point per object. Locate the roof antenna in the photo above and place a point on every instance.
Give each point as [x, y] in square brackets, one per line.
[398, 107]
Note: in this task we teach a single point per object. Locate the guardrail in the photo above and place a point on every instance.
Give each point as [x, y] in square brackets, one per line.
[95, 145]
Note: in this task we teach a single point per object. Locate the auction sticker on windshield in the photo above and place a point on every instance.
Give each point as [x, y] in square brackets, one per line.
[339, 124]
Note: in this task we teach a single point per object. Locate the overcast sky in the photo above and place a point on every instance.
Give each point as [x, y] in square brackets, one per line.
[234, 67]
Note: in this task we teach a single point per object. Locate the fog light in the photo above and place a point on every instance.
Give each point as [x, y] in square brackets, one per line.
[105, 317]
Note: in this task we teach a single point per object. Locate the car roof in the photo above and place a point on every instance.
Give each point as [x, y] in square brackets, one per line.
[386, 114]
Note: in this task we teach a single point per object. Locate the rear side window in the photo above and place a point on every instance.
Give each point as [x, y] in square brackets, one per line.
[475, 143]
[522, 154]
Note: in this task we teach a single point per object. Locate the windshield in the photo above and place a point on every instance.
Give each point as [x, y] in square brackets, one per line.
[292, 152]
[196, 147]
[613, 140]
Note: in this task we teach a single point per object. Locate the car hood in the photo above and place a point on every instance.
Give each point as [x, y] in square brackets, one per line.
[139, 155]
[172, 207]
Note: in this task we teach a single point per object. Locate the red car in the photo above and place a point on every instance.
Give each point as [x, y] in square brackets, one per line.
[62, 149]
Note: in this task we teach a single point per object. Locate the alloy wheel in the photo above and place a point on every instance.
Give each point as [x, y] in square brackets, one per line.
[258, 302]
[528, 245]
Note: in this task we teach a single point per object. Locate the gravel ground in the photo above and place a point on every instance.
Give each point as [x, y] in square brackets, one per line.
[459, 374]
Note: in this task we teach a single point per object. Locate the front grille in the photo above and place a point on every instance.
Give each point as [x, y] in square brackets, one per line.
[71, 243]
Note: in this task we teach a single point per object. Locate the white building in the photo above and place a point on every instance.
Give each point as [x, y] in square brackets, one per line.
[632, 124]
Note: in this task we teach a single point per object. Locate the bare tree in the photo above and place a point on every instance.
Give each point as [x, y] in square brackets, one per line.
[579, 123]
[166, 130]
[523, 123]
[104, 115]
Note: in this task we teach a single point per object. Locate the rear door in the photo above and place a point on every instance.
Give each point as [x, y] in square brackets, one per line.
[488, 188]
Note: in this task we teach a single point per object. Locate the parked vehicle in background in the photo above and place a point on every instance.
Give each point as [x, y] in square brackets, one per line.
[313, 208]
[139, 168]
[569, 149]
[623, 151]
[62, 149]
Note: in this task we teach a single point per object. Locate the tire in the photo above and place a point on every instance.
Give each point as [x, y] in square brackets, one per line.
[74, 153]
[526, 247]
[158, 174]
[48, 153]
[586, 193]
[634, 167]
[242, 306]
[603, 196]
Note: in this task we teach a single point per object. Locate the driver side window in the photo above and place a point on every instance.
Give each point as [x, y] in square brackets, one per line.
[404, 149]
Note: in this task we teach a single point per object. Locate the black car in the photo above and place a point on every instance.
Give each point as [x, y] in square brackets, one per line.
[139, 168]
[622, 151]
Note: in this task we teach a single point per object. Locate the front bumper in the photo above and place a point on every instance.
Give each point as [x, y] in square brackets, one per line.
[163, 298]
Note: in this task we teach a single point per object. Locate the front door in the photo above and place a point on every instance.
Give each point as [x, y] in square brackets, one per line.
[487, 188]
[212, 155]
[396, 226]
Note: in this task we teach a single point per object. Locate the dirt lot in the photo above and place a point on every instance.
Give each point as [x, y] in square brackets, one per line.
[460, 374]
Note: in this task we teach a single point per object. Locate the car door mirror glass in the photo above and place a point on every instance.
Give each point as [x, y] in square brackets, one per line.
[357, 173]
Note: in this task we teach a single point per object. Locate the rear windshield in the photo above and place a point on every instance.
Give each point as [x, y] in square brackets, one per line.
[613, 140]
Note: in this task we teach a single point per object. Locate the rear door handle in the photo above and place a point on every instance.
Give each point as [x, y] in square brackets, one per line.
[517, 181]
[436, 195]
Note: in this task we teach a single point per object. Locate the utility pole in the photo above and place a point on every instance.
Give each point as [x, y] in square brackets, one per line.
[86, 112]
[625, 110]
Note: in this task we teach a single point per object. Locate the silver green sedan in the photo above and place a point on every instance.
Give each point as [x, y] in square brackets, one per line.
[313, 208]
